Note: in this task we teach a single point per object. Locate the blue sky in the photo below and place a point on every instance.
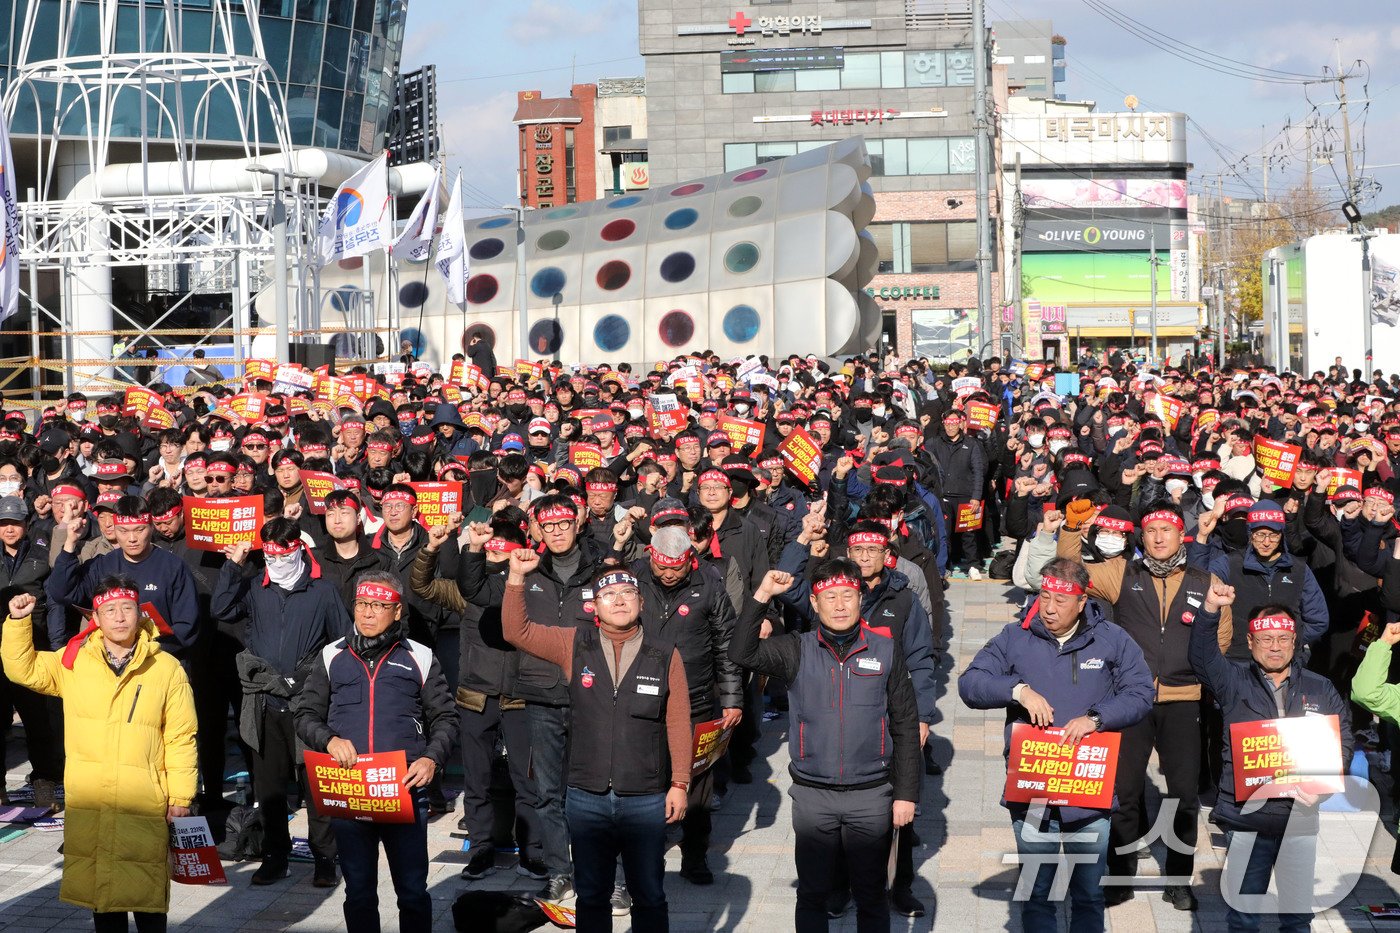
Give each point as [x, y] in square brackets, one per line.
[485, 53]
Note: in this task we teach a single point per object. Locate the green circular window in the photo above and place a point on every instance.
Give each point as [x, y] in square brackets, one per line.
[552, 240]
[741, 257]
[745, 206]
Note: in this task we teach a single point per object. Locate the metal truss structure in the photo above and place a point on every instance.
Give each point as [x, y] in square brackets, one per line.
[210, 219]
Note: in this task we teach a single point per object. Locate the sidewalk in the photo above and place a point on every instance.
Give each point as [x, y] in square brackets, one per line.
[962, 876]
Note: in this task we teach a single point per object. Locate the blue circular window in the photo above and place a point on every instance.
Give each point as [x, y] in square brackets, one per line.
[612, 332]
[677, 267]
[548, 282]
[628, 201]
[488, 248]
[741, 324]
[494, 222]
[679, 220]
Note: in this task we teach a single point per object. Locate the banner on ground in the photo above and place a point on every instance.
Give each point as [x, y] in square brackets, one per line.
[438, 501]
[1041, 767]
[742, 431]
[1279, 757]
[802, 455]
[212, 524]
[708, 743]
[372, 791]
[1276, 460]
[194, 859]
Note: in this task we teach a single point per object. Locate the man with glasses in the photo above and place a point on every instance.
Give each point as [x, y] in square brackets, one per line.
[255, 446]
[292, 614]
[629, 774]
[1278, 838]
[560, 593]
[376, 690]
[219, 470]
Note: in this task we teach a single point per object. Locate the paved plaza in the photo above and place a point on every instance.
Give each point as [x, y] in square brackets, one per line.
[964, 877]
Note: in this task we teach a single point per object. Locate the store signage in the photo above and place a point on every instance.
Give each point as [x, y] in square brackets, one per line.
[755, 60]
[1096, 236]
[852, 117]
[743, 29]
[1052, 317]
[838, 117]
[1087, 193]
[1108, 126]
[544, 168]
[899, 292]
[636, 175]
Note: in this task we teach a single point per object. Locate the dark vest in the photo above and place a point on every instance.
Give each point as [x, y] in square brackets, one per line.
[1163, 638]
[840, 709]
[618, 734]
[379, 708]
[1253, 589]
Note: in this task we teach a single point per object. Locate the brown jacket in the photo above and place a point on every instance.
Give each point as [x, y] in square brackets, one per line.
[1106, 582]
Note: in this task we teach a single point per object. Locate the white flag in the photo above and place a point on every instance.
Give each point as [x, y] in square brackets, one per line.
[9, 226]
[416, 240]
[358, 219]
[451, 252]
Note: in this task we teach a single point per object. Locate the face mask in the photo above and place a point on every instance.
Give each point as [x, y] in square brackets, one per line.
[1208, 500]
[1176, 487]
[1057, 446]
[634, 413]
[107, 421]
[1361, 427]
[1110, 545]
[284, 571]
[9, 487]
[878, 411]
[1035, 440]
[220, 444]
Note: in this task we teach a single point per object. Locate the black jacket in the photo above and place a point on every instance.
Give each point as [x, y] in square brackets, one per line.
[26, 573]
[697, 617]
[341, 572]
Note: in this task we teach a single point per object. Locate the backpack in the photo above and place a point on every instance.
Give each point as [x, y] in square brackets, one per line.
[244, 835]
[1002, 564]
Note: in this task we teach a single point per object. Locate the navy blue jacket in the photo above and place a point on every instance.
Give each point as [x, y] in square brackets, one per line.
[1100, 668]
[1245, 695]
[284, 626]
[163, 579]
[399, 702]
[1255, 585]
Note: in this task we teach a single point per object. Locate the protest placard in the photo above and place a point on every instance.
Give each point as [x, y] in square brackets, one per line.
[1279, 757]
[438, 501]
[291, 378]
[148, 408]
[1040, 767]
[981, 416]
[194, 859]
[1168, 409]
[557, 914]
[742, 431]
[585, 456]
[371, 791]
[802, 455]
[708, 743]
[1206, 419]
[247, 406]
[258, 370]
[969, 517]
[1277, 460]
[212, 524]
[318, 485]
[1338, 477]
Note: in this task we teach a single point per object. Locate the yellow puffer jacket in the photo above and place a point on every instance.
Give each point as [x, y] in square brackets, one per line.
[130, 742]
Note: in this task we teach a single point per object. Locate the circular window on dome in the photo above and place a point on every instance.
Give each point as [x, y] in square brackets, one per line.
[481, 288]
[694, 187]
[546, 337]
[548, 282]
[494, 222]
[488, 248]
[741, 324]
[676, 328]
[681, 219]
[612, 332]
[618, 203]
[413, 294]
[677, 267]
[619, 229]
[741, 258]
[752, 174]
[745, 206]
[562, 213]
[613, 275]
[554, 239]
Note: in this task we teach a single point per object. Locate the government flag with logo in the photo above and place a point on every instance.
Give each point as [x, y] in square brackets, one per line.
[359, 219]
[451, 251]
[416, 239]
[9, 224]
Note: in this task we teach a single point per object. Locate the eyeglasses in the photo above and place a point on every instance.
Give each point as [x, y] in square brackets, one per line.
[713, 487]
[255, 447]
[1266, 533]
[372, 605]
[1273, 641]
[626, 594]
[556, 527]
[397, 507]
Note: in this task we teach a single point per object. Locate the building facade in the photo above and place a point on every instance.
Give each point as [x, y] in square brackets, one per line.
[582, 147]
[1034, 57]
[1099, 219]
[730, 87]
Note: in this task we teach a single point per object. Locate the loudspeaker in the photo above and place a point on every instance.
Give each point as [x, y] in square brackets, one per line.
[314, 355]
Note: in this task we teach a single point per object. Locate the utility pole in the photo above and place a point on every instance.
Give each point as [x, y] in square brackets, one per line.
[984, 171]
[1307, 177]
[1153, 261]
[1220, 316]
[1018, 221]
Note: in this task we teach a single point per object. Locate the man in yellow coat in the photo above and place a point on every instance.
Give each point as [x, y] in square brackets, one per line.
[130, 741]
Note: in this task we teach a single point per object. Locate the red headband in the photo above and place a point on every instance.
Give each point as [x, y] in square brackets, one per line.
[165, 516]
[867, 537]
[377, 593]
[1274, 623]
[129, 521]
[1109, 523]
[601, 487]
[1057, 585]
[273, 549]
[111, 469]
[502, 546]
[1201, 466]
[398, 495]
[1385, 495]
[713, 476]
[121, 592]
[834, 583]
[218, 467]
[555, 513]
[661, 560]
[1267, 515]
[379, 445]
[1162, 515]
[66, 490]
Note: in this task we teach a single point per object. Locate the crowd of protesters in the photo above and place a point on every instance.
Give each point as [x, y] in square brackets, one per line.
[640, 552]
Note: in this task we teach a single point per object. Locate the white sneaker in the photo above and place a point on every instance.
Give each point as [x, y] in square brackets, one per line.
[973, 573]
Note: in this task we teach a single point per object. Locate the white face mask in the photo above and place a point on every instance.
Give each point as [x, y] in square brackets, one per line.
[1035, 440]
[1057, 446]
[1110, 545]
[9, 487]
[635, 413]
[1176, 487]
[220, 444]
[1361, 427]
[1208, 500]
[878, 411]
[283, 571]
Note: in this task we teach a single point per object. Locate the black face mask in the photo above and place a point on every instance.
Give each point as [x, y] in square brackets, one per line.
[1235, 534]
[108, 422]
[863, 415]
[483, 485]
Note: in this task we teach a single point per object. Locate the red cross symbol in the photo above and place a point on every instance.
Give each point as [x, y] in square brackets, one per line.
[740, 22]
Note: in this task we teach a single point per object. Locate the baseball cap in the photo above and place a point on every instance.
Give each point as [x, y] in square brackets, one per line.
[13, 509]
[540, 426]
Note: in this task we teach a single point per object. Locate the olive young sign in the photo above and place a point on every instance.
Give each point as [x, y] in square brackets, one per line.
[1092, 235]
